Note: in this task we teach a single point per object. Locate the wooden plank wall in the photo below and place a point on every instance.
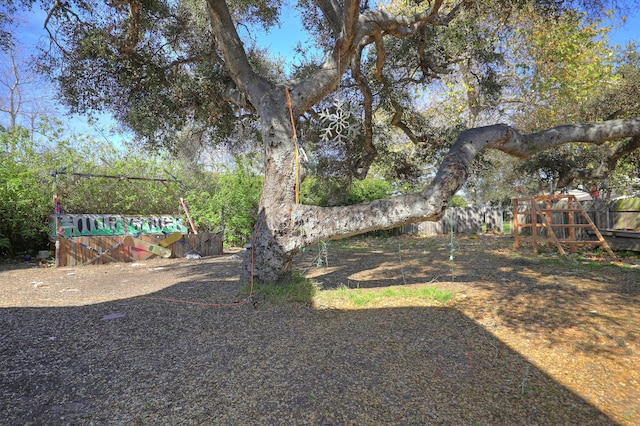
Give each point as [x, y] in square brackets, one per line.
[463, 220]
[99, 250]
[203, 244]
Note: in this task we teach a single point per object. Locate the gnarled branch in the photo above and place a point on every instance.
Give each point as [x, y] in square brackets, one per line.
[608, 163]
[430, 203]
[361, 170]
[235, 57]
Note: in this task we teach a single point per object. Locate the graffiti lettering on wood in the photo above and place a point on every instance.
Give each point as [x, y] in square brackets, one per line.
[84, 225]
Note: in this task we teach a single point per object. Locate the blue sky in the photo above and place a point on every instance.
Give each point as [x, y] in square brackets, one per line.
[280, 41]
[630, 31]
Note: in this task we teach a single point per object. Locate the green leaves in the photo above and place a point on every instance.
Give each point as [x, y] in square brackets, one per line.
[561, 62]
[237, 194]
[25, 200]
[28, 182]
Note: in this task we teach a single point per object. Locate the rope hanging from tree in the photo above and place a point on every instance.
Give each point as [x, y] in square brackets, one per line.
[296, 149]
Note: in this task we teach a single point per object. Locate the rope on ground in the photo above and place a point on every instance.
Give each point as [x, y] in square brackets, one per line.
[253, 250]
[189, 302]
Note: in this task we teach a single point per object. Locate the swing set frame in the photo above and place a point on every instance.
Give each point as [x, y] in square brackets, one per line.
[109, 250]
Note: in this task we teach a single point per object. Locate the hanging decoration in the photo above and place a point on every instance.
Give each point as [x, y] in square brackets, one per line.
[338, 124]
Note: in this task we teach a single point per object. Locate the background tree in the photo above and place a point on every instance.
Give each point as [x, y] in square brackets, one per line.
[573, 65]
[542, 75]
[234, 194]
[160, 67]
[21, 100]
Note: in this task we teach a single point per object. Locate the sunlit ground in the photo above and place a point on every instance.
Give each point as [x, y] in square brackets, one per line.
[576, 320]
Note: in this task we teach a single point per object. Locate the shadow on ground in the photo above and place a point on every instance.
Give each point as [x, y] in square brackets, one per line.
[527, 292]
[175, 363]
[158, 360]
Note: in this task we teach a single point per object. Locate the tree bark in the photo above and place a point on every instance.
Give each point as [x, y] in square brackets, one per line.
[284, 228]
[269, 255]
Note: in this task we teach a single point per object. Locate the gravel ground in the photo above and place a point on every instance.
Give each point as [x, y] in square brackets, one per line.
[120, 344]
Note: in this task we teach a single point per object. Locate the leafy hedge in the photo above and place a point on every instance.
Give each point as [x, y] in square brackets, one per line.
[28, 180]
[25, 195]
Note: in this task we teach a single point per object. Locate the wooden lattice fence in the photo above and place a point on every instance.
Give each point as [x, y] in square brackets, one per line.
[618, 221]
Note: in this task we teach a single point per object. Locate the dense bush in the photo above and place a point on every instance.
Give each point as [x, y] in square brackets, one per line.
[237, 195]
[25, 195]
[365, 190]
[28, 181]
[328, 192]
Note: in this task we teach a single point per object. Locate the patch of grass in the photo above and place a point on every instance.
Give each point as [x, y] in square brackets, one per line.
[555, 261]
[625, 266]
[595, 265]
[298, 290]
[359, 297]
[627, 254]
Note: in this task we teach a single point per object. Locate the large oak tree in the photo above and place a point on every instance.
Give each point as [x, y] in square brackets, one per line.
[165, 66]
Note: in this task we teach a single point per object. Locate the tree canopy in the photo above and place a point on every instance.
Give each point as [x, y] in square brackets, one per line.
[173, 68]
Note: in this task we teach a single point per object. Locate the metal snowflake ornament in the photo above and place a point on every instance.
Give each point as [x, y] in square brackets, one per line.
[338, 126]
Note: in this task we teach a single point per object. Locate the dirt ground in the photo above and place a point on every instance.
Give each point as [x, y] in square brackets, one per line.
[527, 339]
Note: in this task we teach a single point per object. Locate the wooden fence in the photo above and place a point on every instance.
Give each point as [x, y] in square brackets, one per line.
[618, 222]
[461, 220]
[613, 217]
[105, 249]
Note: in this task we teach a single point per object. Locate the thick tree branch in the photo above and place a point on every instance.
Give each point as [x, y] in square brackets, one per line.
[134, 18]
[381, 55]
[396, 121]
[380, 21]
[233, 52]
[332, 12]
[238, 98]
[339, 222]
[523, 146]
[351, 14]
[608, 163]
[359, 30]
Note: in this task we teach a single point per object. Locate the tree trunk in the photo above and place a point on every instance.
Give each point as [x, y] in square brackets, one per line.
[265, 261]
[270, 252]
